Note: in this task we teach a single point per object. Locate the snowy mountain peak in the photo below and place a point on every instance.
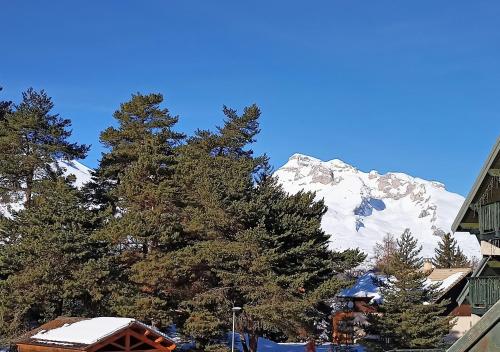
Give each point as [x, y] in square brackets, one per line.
[364, 206]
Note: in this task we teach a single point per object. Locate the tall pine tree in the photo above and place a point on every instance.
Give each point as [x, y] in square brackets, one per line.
[136, 180]
[449, 255]
[410, 317]
[252, 244]
[32, 140]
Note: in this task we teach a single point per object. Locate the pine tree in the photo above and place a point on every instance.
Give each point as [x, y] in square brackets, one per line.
[32, 139]
[410, 318]
[449, 255]
[136, 180]
[252, 244]
[50, 262]
[141, 121]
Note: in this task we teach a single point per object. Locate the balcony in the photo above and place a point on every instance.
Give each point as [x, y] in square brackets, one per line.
[489, 218]
[484, 292]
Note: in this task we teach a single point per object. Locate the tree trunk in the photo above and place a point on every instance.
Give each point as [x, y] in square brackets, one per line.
[253, 340]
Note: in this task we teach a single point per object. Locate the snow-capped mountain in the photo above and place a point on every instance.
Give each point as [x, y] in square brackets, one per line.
[364, 206]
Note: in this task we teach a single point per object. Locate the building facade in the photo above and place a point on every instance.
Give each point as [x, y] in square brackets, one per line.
[480, 216]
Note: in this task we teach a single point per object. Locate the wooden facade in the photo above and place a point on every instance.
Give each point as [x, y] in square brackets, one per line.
[134, 337]
[480, 215]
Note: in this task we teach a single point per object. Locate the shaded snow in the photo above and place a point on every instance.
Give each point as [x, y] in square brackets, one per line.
[85, 331]
[366, 285]
[364, 206]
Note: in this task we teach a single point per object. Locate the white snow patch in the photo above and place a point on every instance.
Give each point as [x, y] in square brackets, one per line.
[86, 331]
[82, 173]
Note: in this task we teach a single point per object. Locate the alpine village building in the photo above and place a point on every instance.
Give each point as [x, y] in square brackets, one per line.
[480, 216]
[103, 334]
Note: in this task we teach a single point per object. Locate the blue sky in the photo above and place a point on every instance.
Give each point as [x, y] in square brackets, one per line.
[387, 85]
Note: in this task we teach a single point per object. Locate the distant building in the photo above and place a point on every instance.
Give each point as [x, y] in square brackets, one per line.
[355, 302]
[352, 306]
[68, 334]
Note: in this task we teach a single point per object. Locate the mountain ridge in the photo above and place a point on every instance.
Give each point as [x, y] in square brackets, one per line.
[364, 206]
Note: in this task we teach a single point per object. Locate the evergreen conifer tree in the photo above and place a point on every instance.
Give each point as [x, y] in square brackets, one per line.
[449, 255]
[32, 139]
[136, 179]
[410, 317]
[252, 244]
[50, 262]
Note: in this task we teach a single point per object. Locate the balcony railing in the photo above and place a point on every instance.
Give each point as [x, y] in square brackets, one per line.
[484, 292]
[489, 218]
[495, 242]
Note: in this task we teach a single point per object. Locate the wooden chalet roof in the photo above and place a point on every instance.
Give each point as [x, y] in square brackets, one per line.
[94, 334]
[448, 278]
[442, 274]
[467, 219]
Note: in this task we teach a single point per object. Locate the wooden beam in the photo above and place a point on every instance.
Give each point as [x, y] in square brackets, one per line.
[136, 345]
[151, 342]
[117, 345]
[469, 225]
[106, 342]
[127, 342]
[159, 339]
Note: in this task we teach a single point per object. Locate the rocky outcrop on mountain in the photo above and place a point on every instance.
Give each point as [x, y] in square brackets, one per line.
[364, 206]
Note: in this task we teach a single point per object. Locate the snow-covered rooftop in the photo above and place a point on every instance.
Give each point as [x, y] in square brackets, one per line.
[86, 332]
[447, 278]
[367, 285]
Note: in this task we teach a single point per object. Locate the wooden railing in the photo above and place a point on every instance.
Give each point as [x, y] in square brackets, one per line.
[484, 292]
[495, 242]
[489, 218]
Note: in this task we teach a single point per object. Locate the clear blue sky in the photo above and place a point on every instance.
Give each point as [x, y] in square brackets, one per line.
[410, 86]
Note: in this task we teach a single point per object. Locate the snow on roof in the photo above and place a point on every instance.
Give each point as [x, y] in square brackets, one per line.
[447, 278]
[86, 332]
[366, 285]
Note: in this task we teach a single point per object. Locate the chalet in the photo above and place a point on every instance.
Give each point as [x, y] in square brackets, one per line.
[68, 334]
[480, 216]
[352, 306]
